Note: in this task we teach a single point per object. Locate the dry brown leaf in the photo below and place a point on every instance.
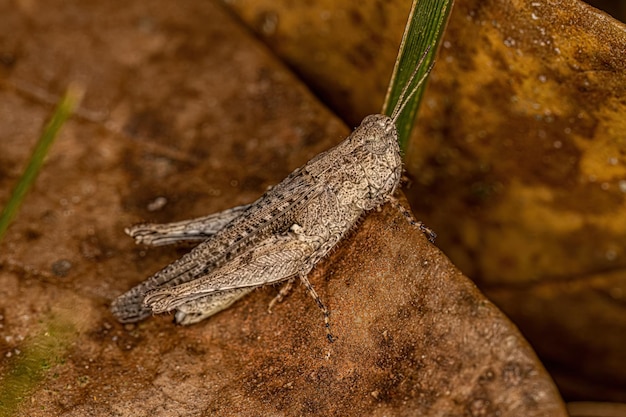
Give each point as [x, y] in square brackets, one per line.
[521, 155]
[518, 160]
[184, 115]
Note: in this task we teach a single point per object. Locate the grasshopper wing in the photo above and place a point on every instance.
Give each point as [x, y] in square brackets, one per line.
[276, 259]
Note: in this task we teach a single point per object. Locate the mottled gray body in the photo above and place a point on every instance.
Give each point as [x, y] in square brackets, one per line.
[279, 237]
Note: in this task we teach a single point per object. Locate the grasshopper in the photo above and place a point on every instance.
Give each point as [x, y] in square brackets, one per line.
[281, 236]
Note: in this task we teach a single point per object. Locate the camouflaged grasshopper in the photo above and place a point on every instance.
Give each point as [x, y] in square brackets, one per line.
[279, 237]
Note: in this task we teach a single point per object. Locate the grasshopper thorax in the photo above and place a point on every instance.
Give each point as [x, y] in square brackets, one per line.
[379, 157]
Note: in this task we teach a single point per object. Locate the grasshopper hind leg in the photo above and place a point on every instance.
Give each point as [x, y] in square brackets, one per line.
[194, 230]
[128, 309]
[202, 308]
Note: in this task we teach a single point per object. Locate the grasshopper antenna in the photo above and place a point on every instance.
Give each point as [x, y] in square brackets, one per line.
[404, 99]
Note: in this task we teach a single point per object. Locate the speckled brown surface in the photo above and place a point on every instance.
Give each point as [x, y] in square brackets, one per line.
[184, 115]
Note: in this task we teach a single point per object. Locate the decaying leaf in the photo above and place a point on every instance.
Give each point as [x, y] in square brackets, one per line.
[517, 160]
[186, 114]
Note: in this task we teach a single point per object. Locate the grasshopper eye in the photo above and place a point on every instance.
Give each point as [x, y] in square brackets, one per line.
[371, 119]
[379, 142]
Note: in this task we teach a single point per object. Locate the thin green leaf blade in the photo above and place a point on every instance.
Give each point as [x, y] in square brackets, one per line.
[425, 28]
[64, 109]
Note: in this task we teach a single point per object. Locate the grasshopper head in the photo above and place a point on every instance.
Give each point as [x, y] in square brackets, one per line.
[378, 133]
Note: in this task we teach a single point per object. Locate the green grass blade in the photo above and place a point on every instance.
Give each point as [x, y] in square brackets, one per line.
[425, 27]
[63, 110]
